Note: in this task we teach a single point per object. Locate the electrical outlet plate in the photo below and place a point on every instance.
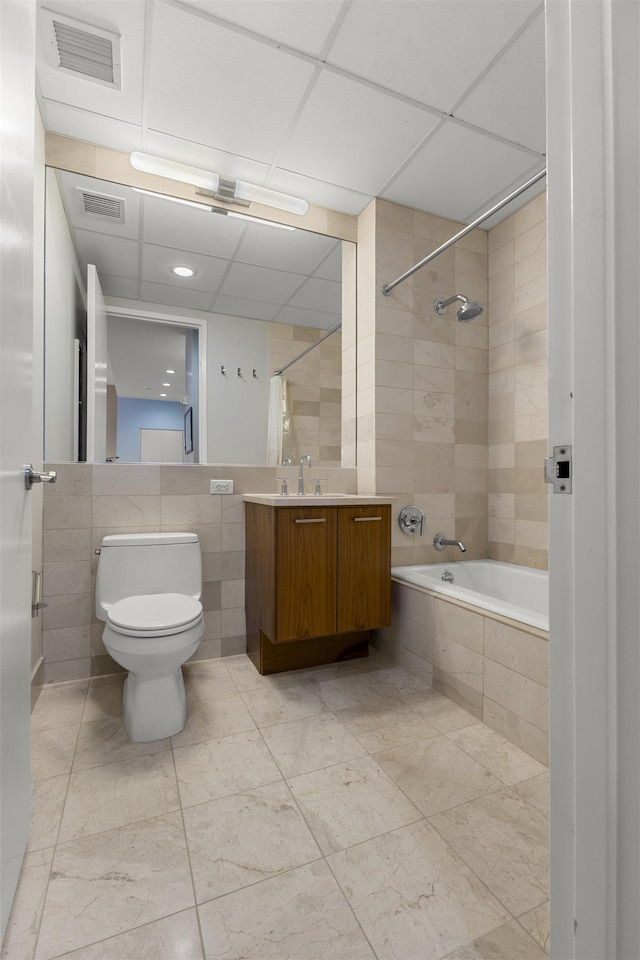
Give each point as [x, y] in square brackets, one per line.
[221, 486]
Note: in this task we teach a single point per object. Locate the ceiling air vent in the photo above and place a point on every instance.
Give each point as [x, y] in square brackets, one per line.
[102, 205]
[82, 49]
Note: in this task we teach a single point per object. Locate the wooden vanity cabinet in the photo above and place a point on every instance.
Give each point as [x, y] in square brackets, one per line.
[318, 579]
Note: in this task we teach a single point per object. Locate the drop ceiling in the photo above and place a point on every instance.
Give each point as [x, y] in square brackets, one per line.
[435, 104]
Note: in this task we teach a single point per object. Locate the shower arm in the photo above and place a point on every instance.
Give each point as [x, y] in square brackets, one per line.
[388, 287]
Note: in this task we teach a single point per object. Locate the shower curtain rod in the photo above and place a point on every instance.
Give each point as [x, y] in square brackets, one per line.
[315, 343]
[388, 287]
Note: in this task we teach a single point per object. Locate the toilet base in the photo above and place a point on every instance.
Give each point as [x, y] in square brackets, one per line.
[154, 707]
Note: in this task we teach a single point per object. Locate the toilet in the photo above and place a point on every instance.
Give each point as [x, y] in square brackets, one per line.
[148, 591]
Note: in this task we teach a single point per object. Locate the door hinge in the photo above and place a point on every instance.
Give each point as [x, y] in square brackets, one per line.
[558, 469]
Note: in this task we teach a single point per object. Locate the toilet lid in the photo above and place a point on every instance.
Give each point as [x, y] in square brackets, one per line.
[154, 612]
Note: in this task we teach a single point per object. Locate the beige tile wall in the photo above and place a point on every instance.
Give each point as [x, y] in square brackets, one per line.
[496, 670]
[423, 379]
[313, 391]
[87, 502]
[518, 405]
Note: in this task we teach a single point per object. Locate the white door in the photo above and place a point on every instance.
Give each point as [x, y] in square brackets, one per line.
[17, 99]
[96, 369]
[161, 446]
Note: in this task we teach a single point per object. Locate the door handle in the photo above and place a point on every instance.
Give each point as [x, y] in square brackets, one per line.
[365, 519]
[31, 476]
[315, 520]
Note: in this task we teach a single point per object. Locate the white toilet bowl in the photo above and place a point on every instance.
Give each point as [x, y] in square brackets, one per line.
[148, 591]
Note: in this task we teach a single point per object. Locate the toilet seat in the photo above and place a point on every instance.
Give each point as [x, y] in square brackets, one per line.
[154, 615]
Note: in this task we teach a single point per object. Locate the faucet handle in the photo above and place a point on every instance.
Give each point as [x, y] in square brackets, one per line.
[318, 482]
[284, 492]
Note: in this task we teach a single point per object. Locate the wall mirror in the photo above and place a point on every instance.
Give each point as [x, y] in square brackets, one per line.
[165, 352]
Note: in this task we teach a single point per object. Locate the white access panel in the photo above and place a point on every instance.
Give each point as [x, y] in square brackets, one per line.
[161, 446]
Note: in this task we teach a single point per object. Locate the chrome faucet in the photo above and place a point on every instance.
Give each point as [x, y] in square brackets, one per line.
[440, 542]
[300, 480]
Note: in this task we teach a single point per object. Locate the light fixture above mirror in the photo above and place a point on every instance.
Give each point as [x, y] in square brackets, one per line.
[221, 188]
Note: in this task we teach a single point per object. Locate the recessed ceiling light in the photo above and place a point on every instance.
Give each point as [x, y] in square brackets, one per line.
[166, 384]
[183, 271]
[169, 371]
[163, 394]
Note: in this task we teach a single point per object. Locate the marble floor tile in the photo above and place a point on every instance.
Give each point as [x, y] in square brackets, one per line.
[351, 802]
[536, 922]
[436, 775]
[52, 751]
[213, 718]
[204, 679]
[174, 938]
[413, 896]
[505, 842]
[207, 771]
[300, 914]
[497, 754]
[386, 725]
[300, 746]
[508, 942]
[114, 794]
[353, 690]
[48, 802]
[442, 713]
[106, 741]
[535, 792]
[239, 840]
[104, 699]
[22, 929]
[269, 705]
[59, 705]
[106, 884]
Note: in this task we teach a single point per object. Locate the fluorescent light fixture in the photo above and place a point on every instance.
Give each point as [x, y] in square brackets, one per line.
[186, 203]
[183, 271]
[233, 190]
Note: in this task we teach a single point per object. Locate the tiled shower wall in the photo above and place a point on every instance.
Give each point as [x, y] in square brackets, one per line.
[423, 379]
[518, 387]
[87, 502]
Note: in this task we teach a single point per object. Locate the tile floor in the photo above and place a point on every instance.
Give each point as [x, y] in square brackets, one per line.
[343, 812]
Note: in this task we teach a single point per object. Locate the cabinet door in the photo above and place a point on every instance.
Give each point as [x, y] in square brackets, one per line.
[364, 567]
[306, 573]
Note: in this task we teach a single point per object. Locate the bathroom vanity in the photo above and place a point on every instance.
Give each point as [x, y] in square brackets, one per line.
[318, 578]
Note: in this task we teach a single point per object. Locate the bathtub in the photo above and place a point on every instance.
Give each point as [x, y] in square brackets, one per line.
[519, 593]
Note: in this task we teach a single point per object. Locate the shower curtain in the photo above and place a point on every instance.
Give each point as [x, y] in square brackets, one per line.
[276, 419]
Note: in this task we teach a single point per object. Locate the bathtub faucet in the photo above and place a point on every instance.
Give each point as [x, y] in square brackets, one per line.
[440, 542]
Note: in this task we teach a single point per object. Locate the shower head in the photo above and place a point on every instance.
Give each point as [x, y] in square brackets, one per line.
[468, 310]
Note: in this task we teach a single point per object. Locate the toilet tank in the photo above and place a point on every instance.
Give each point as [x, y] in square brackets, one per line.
[144, 563]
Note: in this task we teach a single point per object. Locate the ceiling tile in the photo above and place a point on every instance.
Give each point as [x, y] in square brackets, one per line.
[456, 171]
[123, 17]
[92, 127]
[176, 225]
[510, 99]
[323, 295]
[430, 51]
[331, 268]
[298, 251]
[109, 254]
[303, 26]
[216, 87]
[258, 283]
[162, 293]
[157, 263]
[208, 158]
[332, 196]
[338, 136]
[240, 307]
[120, 287]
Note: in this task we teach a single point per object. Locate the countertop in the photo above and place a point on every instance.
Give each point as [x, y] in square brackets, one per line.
[311, 500]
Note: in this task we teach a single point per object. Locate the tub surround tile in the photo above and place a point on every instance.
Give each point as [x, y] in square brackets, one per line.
[111, 882]
[241, 839]
[524, 734]
[469, 698]
[413, 896]
[522, 696]
[302, 913]
[505, 842]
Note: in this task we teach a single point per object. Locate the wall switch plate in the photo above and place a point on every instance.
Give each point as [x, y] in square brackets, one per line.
[221, 486]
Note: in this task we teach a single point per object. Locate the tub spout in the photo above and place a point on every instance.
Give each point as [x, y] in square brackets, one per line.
[440, 542]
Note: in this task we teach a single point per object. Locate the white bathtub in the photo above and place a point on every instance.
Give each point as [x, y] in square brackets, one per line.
[520, 593]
